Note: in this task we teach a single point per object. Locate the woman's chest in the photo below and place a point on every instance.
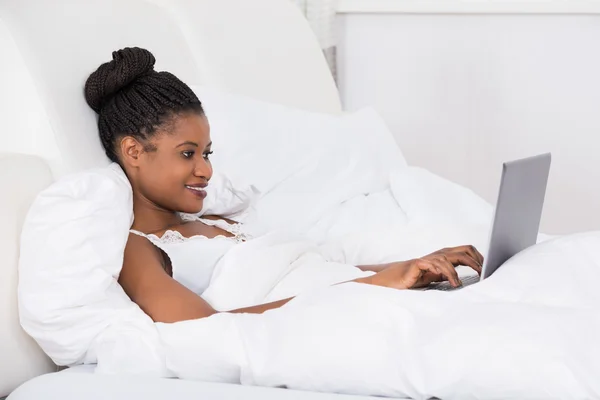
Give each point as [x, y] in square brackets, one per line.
[194, 260]
[194, 248]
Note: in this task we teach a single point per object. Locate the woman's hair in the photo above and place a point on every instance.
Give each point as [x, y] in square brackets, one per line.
[133, 99]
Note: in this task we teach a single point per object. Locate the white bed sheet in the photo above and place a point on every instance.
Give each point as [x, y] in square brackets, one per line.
[82, 383]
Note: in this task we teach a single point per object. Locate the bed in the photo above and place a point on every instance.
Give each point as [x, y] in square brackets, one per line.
[51, 47]
[81, 383]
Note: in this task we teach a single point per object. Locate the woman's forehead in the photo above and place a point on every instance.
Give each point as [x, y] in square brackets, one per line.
[190, 128]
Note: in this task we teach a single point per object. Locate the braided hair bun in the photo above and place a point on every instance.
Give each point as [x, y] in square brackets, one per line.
[126, 66]
[131, 98]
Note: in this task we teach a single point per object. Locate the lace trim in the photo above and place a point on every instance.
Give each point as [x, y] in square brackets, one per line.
[170, 236]
[175, 237]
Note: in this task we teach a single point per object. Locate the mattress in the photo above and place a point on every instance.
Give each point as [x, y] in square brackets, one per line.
[80, 383]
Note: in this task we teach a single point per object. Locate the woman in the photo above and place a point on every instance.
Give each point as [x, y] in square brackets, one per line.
[153, 125]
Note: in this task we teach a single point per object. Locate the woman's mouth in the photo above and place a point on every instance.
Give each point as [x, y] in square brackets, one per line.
[197, 191]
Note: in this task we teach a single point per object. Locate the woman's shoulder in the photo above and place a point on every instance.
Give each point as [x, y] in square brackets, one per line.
[139, 250]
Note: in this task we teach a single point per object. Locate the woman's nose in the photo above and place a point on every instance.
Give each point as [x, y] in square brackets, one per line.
[203, 169]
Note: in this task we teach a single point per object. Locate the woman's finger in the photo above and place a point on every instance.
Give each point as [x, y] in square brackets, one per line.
[427, 271]
[466, 260]
[473, 252]
[431, 277]
[447, 269]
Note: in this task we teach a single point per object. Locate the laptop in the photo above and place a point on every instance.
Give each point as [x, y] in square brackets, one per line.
[517, 215]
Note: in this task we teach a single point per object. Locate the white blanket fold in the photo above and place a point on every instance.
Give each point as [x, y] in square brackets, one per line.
[527, 332]
[274, 267]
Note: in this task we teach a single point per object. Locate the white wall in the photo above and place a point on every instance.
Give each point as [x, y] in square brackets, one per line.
[463, 93]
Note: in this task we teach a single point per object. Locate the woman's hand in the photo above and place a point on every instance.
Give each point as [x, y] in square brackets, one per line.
[435, 267]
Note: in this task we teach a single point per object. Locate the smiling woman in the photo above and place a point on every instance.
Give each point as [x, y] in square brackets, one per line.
[154, 127]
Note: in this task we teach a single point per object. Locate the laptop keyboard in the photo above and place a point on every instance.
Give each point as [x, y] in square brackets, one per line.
[446, 286]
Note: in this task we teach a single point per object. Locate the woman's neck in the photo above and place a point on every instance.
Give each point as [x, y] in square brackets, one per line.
[150, 218]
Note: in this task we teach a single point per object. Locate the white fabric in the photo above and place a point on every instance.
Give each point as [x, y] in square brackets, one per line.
[279, 259]
[71, 254]
[429, 198]
[504, 311]
[228, 199]
[527, 332]
[23, 357]
[81, 385]
[309, 162]
[528, 299]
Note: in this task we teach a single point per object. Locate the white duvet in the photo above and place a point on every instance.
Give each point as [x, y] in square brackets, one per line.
[529, 331]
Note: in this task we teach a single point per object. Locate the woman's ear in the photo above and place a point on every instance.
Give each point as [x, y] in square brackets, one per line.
[131, 151]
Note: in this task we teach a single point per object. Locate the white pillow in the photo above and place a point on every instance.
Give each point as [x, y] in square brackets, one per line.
[71, 255]
[227, 199]
[303, 163]
[427, 198]
[72, 246]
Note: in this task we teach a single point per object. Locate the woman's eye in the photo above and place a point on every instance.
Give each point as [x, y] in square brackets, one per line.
[187, 154]
[207, 155]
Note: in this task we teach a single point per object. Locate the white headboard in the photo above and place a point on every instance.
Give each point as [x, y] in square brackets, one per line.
[20, 356]
[261, 48]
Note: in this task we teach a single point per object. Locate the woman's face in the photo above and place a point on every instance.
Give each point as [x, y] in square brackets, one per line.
[174, 175]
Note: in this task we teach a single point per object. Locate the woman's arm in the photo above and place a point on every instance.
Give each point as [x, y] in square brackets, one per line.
[146, 282]
[374, 268]
[160, 296]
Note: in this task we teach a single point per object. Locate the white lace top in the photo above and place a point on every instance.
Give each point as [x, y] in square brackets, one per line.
[194, 259]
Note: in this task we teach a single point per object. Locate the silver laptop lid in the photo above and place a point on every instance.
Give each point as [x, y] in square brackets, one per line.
[518, 209]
